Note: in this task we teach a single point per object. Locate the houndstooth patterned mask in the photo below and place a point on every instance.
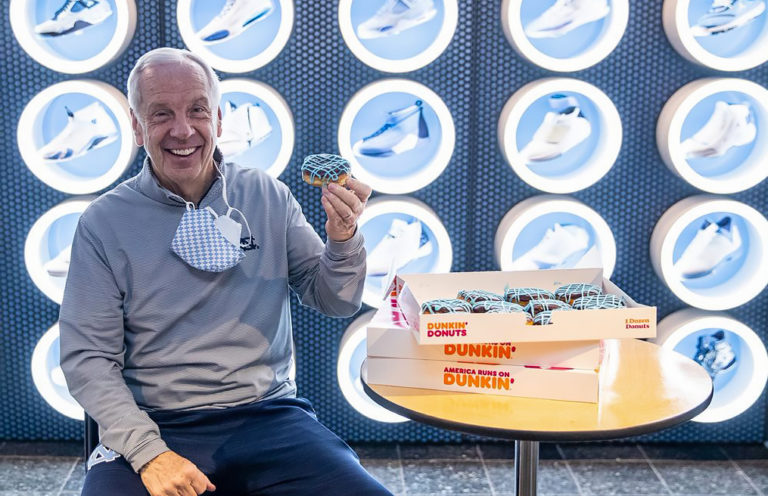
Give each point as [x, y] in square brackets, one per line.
[202, 245]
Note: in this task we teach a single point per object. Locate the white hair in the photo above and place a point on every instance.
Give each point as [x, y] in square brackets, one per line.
[165, 55]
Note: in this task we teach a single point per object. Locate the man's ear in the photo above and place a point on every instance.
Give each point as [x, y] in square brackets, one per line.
[138, 132]
[218, 124]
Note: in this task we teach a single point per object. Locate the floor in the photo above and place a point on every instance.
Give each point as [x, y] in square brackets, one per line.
[56, 469]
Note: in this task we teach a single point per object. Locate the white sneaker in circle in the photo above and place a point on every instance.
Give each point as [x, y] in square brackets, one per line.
[729, 125]
[403, 243]
[87, 129]
[73, 16]
[713, 244]
[404, 130]
[58, 266]
[565, 16]
[725, 15]
[558, 132]
[555, 249]
[395, 16]
[234, 18]
[242, 127]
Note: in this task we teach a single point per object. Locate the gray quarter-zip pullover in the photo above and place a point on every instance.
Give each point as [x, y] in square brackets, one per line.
[142, 330]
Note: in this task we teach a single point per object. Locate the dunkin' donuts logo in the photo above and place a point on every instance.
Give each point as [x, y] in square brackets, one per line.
[637, 323]
[477, 378]
[449, 329]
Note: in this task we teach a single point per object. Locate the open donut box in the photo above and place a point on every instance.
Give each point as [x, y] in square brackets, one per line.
[408, 291]
[497, 353]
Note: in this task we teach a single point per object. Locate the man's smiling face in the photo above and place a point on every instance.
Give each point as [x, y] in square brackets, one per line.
[177, 124]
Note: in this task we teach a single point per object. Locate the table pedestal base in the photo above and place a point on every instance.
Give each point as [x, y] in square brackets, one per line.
[526, 466]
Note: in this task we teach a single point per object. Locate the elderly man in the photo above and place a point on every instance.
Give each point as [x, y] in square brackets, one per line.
[175, 324]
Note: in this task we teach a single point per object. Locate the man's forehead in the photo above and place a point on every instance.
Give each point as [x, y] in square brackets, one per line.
[170, 76]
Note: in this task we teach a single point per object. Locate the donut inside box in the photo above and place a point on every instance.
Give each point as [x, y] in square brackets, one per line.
[409, 291]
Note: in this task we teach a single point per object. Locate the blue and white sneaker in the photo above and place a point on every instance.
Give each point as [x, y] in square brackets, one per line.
[714, 353]
[58, 266]
[729, 125]
[404, 130]
[559, 131]
[557, 249]
[403, 243]
[395, 16]
[87, 129]
[73, 16]
[565, 16]
[725, 15]
[713, 244]
[242, 127]
[235, 17]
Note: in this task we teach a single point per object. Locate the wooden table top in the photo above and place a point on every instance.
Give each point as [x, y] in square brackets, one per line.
[643, 388]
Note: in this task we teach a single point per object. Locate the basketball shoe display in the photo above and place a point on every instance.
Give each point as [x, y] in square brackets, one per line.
[395, 16]
[87, 129]
[555, 249]
[403, 130]
[729, 125]
[713, 244]
[559, 131]
[73, 16]
[725, 15]
[565, 16]
[234, 18]
[242, 127]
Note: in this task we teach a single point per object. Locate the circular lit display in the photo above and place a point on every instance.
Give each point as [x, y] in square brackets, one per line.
[397, 36]
[257, 126]
[554, 232]
[48, 245]
[711, 251]
[563, 35]
[727, 36]
[235, 36]
[76, 136]
[402, 235]
[73, 37]
[352, 352]
[560, 135]
[732, 354]
[48, 377]
[397, 134]
[714, 134]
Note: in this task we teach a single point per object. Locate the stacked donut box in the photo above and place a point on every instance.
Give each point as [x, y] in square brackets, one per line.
[507, 354]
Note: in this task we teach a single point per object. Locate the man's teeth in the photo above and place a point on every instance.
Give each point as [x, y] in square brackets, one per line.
[182, 151]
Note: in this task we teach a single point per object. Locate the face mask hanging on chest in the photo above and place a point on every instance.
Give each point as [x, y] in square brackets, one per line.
[207, 241]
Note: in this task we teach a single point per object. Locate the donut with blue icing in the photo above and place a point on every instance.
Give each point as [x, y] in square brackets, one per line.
[323, 168]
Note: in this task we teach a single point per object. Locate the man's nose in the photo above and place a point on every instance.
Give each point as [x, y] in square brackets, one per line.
[182, 129]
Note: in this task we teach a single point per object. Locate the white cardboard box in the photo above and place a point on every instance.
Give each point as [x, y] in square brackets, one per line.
[505, 380]
[409, 291]
[388, 342]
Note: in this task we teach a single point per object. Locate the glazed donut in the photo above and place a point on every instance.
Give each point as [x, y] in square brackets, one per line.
[603, 302]
[324, 168]
[449, 305]
[477, 295]
[522, 296]
[535, 306]
[571, 292]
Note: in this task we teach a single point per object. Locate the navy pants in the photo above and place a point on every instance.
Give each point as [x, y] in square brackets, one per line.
[273, 447]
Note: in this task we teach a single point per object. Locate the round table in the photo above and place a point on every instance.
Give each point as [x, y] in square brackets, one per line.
[643, 388]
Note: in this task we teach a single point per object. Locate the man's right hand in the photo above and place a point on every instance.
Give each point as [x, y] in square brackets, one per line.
[169, 474]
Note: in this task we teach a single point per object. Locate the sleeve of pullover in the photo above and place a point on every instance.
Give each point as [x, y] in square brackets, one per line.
[92, 353]
[327, 278]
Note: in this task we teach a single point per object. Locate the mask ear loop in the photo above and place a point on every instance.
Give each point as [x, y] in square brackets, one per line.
[230, 208]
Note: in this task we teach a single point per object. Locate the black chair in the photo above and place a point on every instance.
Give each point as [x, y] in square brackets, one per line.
[91, 437]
